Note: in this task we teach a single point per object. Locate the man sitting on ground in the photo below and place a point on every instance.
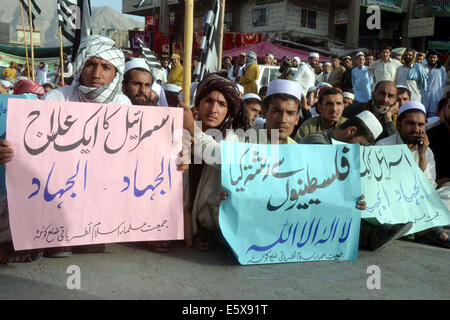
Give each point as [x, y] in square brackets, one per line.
[411, 131]
[403, 95]
[363, 129]
[252, 103]
[383, 105]
[330, 108]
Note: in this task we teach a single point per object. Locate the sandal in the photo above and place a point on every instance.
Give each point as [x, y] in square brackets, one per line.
[25, 256]
[432, 238]
[387, 233]
[204, 240]
[90, 248]
[204, 245]
[59, 252]
[158, 246]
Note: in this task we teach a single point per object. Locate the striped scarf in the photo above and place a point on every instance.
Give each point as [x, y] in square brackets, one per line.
[106, 49]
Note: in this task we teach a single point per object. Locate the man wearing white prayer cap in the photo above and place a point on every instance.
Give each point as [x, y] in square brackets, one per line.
[252, 102]
[296, 62]
[137, 82]
[327, 67]
[403, 95]
[362, 129]
[268, 59]
[140, 86]
[348, 98]
[411, 121]
[241, 89]
[323, 84]
[313, 60]
[5, 86]
[282, 103]
[172, 90]
[98, 72]
[318, 72]
[306, 75]
[411, 126]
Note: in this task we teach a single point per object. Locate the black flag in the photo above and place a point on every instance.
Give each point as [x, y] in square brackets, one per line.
[74, 18]
[35, 10]
[208, 60]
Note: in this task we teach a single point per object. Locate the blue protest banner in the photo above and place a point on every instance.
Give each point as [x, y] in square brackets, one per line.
[397, 191]
[290, 203]
[3, 111]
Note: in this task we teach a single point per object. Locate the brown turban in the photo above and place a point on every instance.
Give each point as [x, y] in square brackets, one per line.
[236, 117]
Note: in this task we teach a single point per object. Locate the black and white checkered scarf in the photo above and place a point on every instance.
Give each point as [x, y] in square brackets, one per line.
[106, 49]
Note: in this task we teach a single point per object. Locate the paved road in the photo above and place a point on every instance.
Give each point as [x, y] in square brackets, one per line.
[129, 271]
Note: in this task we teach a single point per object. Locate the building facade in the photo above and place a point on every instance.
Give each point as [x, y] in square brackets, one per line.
[321, 23]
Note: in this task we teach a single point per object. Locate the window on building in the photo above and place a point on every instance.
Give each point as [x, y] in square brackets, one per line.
[198, 24]
[260, 17]
[304, 18]
[309, 18]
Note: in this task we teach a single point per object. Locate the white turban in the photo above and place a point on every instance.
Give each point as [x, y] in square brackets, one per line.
[106, 49]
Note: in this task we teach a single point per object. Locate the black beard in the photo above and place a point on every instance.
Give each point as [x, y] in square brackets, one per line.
[141, 102]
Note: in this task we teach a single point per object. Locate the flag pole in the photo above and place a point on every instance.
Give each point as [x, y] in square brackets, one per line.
[31, 39]
[62, 55]
[188, 39]
[222, 21]
[25, 39]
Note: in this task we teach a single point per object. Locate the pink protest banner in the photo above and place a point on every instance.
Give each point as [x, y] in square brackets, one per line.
[86, 173]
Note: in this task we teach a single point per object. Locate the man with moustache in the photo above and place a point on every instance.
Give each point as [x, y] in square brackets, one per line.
[411, 124]
[436, 82]
[412, 76]
[237, 70]
[330, 107]
[283, 103]
[98, 72]
[383, 105]
[139, 84]
[335, 78]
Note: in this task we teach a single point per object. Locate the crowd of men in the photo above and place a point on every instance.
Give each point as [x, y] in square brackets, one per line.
[379, 101]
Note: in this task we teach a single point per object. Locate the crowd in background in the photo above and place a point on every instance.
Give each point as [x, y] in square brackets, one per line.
[361, 98]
